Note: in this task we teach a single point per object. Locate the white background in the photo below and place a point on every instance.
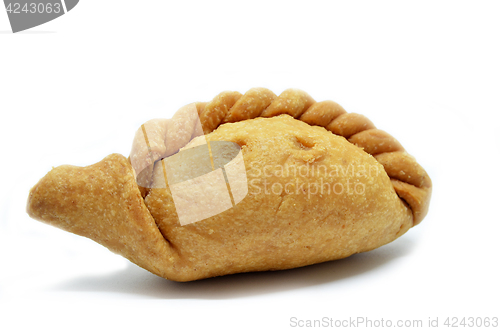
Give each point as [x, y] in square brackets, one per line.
[76, 89]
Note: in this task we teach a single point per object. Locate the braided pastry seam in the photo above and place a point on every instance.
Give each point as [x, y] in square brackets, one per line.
[410, 181]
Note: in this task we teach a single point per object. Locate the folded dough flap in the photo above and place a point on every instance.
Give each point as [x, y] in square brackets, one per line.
[102, 202]
[410, 181]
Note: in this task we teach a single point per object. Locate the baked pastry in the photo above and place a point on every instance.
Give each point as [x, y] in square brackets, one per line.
[318, 184]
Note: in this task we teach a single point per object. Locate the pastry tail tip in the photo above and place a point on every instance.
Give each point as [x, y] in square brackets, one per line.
[101, 202]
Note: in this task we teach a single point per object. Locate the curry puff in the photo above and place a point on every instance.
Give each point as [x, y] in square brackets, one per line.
[245, 182]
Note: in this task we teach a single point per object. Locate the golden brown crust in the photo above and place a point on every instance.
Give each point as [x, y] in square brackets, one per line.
[292, 102]
[250, 105]
[410, 181]
[375, 141]
[322, 113]
[358, 129]
[102, 202]
[301, 207]
[217, 109]
[230, 107]
[264, 231]
[349, 124]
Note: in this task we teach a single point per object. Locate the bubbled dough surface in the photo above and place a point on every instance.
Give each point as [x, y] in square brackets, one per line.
[281, 231]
